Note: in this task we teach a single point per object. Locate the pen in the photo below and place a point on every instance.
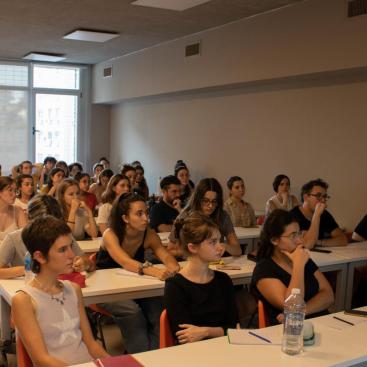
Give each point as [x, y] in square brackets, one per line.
[260, 337]
[342, 320]
[99, 363]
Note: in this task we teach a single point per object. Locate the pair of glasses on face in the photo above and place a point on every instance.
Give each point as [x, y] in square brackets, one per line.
[294, 235]
[208, 202]
[320, 196]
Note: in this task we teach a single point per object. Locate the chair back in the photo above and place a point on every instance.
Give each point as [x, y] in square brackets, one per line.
[23, 359]
[263, 317]
[165, 335]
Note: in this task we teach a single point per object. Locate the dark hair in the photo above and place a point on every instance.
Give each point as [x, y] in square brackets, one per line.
[307, 187]
[273, 228]
[5, 181]
[80, 175]
[77, 164]
[49, 159]
[103, 159]
[136, 164]
[138, 167]
[169, 180]
[40, 234]
[194, 228]
[22, 163]
[19, 181]
[278, 179]
[107, 172]
[232, 180]
[180, 164]
[119, 208]
[64, 166]
[95, 165]
[126, 168]
[52, 174]
[108, 196]
[43, 204]
[194, 204]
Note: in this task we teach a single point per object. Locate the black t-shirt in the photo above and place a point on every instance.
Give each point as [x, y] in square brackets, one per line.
[211, 304]
[268, 268]
[327, 223]
[361, 229]
[162, 213]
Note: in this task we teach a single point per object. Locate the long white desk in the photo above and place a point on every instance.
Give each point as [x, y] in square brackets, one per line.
[89, 246]
[332, 348]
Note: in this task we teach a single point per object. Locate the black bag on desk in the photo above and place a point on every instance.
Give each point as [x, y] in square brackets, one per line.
[105, 261]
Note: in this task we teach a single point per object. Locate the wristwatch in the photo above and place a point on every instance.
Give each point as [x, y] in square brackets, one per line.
[143, 266]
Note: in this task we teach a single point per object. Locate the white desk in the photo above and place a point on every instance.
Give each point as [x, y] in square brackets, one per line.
[89, 246]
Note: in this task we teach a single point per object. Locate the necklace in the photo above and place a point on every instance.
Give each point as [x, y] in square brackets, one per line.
[59, 299]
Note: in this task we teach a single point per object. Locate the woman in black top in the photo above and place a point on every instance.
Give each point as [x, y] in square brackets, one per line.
[283, 264]
[199, 301]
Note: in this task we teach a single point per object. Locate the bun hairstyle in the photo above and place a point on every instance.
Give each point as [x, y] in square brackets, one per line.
[179, 166]
[194, 228]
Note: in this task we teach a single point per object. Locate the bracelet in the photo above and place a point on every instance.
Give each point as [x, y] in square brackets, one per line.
[147, 264]
[69, 221]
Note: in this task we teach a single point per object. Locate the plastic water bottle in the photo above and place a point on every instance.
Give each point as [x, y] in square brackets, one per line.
[28, 274]
[294, 315]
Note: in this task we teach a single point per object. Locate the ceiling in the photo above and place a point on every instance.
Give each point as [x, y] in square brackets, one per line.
[39, 25]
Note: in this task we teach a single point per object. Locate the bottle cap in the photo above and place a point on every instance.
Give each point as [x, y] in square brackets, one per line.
[296, 291]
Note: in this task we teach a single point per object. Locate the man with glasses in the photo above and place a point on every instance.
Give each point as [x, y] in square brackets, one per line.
[319, 226]
[163, 214]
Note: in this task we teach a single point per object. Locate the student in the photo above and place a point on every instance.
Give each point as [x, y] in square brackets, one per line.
[25, 168]
[241, 212]
[200, 302]
[24, 190]
[207, 198]
[105, 162]
[124, 244]
[319, 225]
[183, 174]
[11, 217]
[130, 172]
[55, 177]
[101, 185]
[163, 214]
[49, 314]
[78, 215]
[48, 164]
[284, 263]
[360, 233]
[141, 186]
[282, 199]
[75, 168]
[64, 166]
[118, 184]
[97, 169]
[12, 250]
[90, 199]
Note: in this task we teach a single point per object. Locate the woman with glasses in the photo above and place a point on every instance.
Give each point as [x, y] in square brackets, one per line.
[283, 263]
[207, 199]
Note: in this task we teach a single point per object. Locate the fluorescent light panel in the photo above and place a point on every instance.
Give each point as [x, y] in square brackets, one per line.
[90, 36]
[178, 5]
[42, 56]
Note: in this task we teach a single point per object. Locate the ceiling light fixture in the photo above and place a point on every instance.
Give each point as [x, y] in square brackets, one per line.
[90, 35]
[178, 5]
[44, 56]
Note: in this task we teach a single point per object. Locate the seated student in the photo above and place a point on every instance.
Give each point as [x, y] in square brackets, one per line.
[163, 214]
[75, 168]
[124, 244]
[25, 168]
[77, 214]
[11, 217]
[241, 212]
[55, 177]
[48, 164]
[284, 263]
[12, 250]
[312, 217]
[105, 162]
[64, 166]
[130, 172]
[200, 302]
[207, 198]
[90, 199]
[118, 185]
[141, 186]
[360, 233]
[282, 199]
[49, 314]
[101, 185]
[97, 169]
[187, 186]
[24, 190]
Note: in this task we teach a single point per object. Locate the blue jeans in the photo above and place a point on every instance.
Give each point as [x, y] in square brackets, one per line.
[138, 321]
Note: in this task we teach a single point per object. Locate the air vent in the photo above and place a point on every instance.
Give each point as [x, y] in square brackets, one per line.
[193, 49]
[107, 72]
[356, 8]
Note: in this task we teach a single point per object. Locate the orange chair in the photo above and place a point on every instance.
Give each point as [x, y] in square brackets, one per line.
[260, 220]
[263, 317]
[165, 335]
[23, 359]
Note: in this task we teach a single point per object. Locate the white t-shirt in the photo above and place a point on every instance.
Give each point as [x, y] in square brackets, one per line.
[104, 213]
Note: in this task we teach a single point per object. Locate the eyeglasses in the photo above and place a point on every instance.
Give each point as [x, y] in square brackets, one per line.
[208, 202]
[320, 196]
[294, 235]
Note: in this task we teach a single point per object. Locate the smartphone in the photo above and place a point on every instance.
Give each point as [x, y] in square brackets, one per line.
[356, 313]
